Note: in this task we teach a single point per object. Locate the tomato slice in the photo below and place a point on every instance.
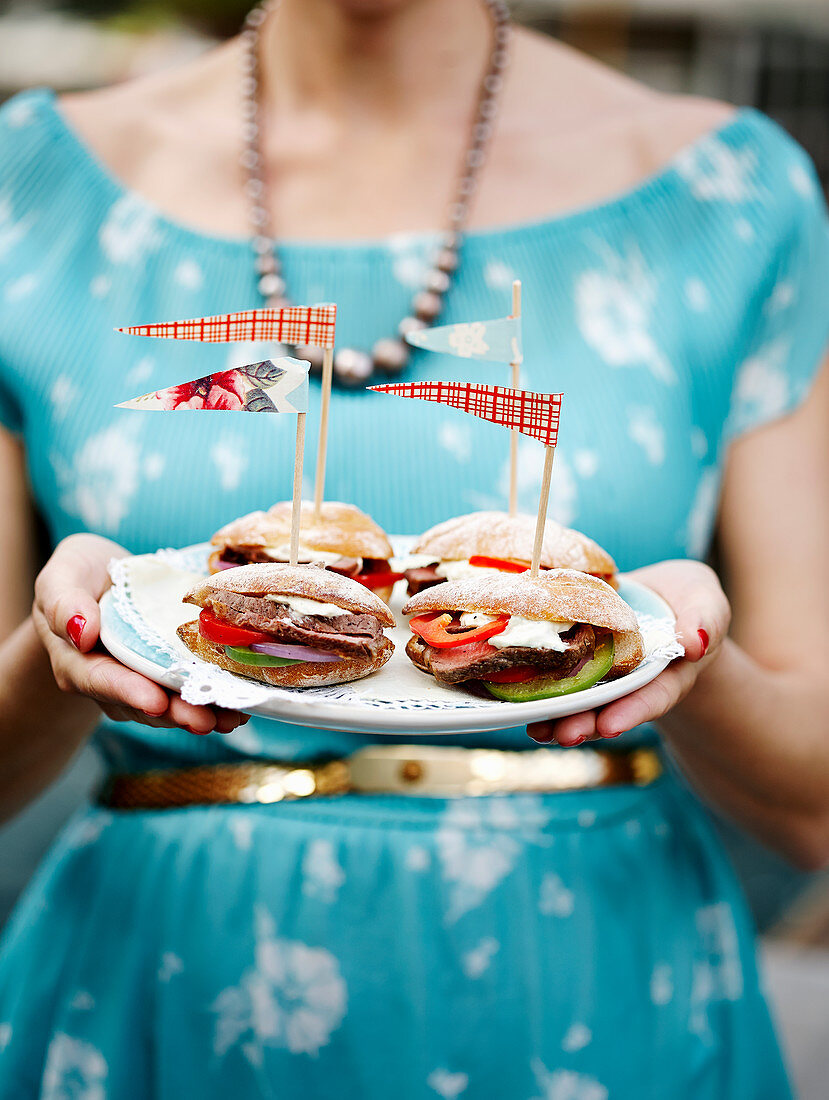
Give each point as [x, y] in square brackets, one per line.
[432, 629]
[503, 564]
[518, 675]
[222, 633]
[379, 580]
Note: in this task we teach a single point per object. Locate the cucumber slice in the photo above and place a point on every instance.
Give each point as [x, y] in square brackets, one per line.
[245, 656]
[545, 687]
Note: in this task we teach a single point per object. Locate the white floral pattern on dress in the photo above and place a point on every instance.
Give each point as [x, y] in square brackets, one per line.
[456, 439]
[586, 463]
[20, 288]
[129, 232]
[479, 843]
[761, 385]
[476, 961]
[6, 1032]
[565, 1084]
[577, 1038]
[645, 430]
[12, 230]
[662, 984]
[563, 504]
[803, 181]
[322, 874]
[229, 455]
[74, 1070]
[717, 173]
[744, 230]
[718, 974]
[103, 476]
[446, 1084]
[615, 307]
[83, 1001]
[499, 275]
[411, 255]
[696, 295]
[555, 899]
[292, 998]
[700, 521]
[189, 275]
[171, 964]
[62, 395]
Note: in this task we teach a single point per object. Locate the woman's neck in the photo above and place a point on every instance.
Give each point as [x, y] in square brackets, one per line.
[411, 59]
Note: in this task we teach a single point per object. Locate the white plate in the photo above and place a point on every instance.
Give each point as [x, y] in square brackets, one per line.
[140, 614]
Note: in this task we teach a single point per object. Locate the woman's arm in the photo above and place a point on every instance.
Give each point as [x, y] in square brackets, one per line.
[53, 690]
[754, 733]
[748, 716]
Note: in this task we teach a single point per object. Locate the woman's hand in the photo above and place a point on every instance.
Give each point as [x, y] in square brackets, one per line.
[67, 619]
[702, 616]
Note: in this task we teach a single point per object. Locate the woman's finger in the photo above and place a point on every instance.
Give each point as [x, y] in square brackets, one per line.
[69, 586]
[569, 731]
[648, 703]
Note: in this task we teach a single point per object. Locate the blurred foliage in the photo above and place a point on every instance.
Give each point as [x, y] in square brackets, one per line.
[220, 18]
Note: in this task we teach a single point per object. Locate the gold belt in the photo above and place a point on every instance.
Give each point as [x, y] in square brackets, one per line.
[431, 770]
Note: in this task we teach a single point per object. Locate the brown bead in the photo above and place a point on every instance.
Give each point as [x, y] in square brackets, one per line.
[447, 260]
[311, 354]
[411, 771]
[410, 324]
[352, 367]
[390, 355]
[437, 281]
[427, 305]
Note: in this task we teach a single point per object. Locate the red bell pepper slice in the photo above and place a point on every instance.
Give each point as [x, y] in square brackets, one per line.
[222, 633]
[503, 564]
[432, 629]
[518, 675]
[379, 580]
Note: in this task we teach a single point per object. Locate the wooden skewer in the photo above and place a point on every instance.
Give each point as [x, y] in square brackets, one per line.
[322, 444]
[296, 510]
[543, 500]
[516, 382]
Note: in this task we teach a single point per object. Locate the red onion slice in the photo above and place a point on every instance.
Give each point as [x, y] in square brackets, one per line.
[295, 652]
[227, 564]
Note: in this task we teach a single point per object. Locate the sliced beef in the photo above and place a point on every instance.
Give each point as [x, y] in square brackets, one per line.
[424, 576]
[478, 660]
[351, 634]
[347, 567]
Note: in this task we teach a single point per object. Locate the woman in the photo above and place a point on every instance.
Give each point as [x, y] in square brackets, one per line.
[584, 944]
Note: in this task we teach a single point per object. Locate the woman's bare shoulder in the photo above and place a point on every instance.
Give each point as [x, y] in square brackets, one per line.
[562, 88]
[129, 123]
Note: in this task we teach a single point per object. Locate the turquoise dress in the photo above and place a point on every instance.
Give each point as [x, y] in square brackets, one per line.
[578, 946]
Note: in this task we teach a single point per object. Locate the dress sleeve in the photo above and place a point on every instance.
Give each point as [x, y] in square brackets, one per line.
[788, 324]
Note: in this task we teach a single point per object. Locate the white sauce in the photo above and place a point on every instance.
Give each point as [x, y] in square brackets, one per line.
[476, 618]
[459, 570]
[283, 553]
[303, 606]
[412, 561]
[532, 633]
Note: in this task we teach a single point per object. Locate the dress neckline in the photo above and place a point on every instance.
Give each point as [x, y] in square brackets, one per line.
[653, 185]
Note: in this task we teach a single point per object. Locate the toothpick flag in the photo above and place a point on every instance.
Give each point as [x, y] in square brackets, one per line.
[274, 386]
[533, 414]
[499, 340]
[314, 325]
[295, 325]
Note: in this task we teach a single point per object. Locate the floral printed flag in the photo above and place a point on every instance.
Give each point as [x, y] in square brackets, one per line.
[274, 386]
[533, 414]
[314, 325]
[499, 340]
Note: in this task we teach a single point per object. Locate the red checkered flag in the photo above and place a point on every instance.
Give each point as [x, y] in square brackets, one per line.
[313, 325]
[533, 414]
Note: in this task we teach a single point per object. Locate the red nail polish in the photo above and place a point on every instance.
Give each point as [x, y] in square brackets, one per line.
[74, 628]
[703, 637]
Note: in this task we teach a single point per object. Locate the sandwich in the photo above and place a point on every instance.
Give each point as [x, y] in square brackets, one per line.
[288, 625]
[343, 539]
[521, 638]
[466, 546]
